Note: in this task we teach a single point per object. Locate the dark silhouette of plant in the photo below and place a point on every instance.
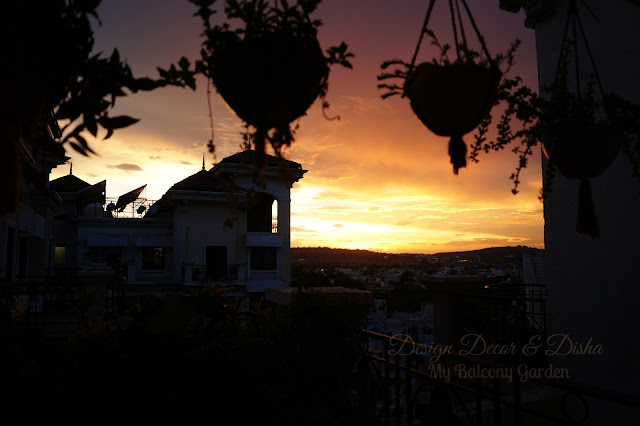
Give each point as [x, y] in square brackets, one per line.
[526, 115]
[450, 97]
[53, 77]
[269, 68]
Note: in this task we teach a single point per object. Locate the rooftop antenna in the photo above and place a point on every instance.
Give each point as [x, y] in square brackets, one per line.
[70, 167]
[203, 161]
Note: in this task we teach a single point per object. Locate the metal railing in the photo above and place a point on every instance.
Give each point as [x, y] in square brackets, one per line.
[58, 302]
[506, 313]
[133, 210]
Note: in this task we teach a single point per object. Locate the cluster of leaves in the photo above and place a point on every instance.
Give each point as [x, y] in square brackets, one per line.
[528, 116]
[255, 19]
[185, 357]
[94, 90]
[260, 17]
[401, 70]
[522, 104]
[79, 87]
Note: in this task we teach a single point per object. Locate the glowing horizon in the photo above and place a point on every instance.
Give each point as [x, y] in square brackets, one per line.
[377, 178]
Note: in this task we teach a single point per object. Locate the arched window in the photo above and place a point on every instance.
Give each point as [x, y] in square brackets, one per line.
[260, 213]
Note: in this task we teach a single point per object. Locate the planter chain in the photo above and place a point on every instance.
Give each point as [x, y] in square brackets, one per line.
[462, 34]
[572, 18]
[455, 31]
[586, 220]
[422, 32]
[478, 34]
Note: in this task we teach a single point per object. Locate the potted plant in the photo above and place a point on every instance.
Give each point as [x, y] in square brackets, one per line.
[450, 97]
[581, 133]
[582, 130]
[270, 68]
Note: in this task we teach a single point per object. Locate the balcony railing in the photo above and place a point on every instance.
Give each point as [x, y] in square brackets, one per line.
[506, 312]
[134, 210]
[58, 303]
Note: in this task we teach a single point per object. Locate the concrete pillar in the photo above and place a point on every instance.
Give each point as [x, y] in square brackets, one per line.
[447, 305]
[284, 229]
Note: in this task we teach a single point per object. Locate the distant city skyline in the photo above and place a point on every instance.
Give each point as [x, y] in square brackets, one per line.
[377, 180]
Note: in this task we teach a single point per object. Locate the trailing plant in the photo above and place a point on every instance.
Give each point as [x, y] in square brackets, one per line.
[269, 68]
[450, 97]
[581, 129]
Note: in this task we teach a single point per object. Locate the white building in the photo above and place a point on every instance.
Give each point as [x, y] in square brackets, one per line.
[214, 225]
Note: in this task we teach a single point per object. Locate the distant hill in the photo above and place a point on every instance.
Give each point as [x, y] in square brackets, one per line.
[325, 255]
[490, 253]
[334, 256]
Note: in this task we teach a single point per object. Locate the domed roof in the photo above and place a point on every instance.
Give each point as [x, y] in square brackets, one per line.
[68, 183]
[204, 180]
[248, 157]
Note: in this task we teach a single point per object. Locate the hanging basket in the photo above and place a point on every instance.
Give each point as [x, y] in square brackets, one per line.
[271, 80]
[582, 150]
[450, 97]
[451, 100]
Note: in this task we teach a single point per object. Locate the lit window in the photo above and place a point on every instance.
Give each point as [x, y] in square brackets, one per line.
[59, 255]
[153, 258]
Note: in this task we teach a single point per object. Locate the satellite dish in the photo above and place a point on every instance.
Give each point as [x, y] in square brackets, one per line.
[94, 193]
[141, 209]
[129, 197]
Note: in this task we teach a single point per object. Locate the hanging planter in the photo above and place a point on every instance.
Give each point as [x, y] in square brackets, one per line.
[270, 80]
[579, 145]
[451, 98]
[581, 128]
[582, 135]
[270, 69]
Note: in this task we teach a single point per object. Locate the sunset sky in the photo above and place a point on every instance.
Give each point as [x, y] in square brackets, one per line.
[377, 179]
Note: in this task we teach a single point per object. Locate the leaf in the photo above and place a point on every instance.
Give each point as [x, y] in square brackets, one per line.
[70, 109]
[84, 144]
[121, 121]
[90, 124]
[143, 83]
[78, 148]
[184, 63]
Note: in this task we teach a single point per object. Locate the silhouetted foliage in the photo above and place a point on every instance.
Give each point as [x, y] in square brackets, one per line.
[269, 68]
[176, 358]
[53, 77]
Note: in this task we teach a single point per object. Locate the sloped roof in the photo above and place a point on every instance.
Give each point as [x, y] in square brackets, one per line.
[68, 183]
[202, 181]
[248, 157]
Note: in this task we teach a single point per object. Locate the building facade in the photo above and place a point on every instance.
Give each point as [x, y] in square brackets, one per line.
[216, 225]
